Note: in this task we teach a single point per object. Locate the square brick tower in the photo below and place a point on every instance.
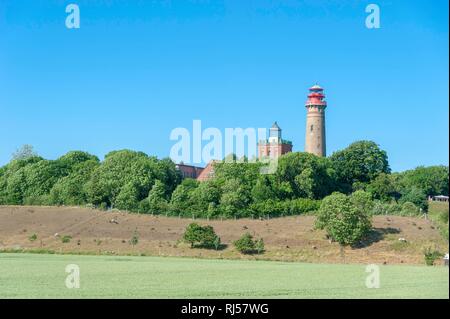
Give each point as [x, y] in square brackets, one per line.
[275, 146]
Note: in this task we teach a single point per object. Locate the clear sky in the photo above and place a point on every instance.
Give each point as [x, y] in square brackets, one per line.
[135, 70]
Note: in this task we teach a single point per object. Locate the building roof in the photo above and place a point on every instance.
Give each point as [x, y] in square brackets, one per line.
[275, 126]
[316, 87]
[208, 172]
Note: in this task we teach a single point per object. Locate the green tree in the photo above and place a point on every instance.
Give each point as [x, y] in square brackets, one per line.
[73, 159]
[123, 167]
[307, 175]
[15, 188]
[179, 202]
[383, 187]
[343, 221]
[207, 193]
[71, 189]
[362, 162]
[416, 196]
[157, 198]
[128, 197]
[235, 198]
[39, 180]
[432, 180]
[264, 189]
[201, 236]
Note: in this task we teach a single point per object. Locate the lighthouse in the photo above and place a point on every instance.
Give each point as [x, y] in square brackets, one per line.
[315, 122]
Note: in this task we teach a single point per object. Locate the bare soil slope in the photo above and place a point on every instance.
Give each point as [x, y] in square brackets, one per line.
[287, 239]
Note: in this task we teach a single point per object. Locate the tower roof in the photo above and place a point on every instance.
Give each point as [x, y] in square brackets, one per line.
[316, 87]
[316, 96]
[275, 126]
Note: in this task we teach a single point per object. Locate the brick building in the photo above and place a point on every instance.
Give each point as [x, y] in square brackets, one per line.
[275, 146]
[189, 171]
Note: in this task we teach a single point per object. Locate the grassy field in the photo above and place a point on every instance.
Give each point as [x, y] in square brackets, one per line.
[43, 276]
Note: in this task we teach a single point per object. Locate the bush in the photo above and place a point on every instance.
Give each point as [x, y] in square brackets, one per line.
[32, 237]
[344, 219]
[246, 244]
[135, 238]
[409, 209]
[259, 245]
[66, 239]
[382, 208]
[443, 217]
[415, 196]
[431, 255]
[201, 236]
[303, 205]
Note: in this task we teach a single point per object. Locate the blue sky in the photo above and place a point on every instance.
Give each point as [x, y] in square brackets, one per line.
[135, 71]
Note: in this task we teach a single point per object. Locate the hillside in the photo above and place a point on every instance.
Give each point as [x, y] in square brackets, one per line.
[286, 239]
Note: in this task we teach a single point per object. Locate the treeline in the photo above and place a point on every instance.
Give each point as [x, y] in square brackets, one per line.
[134, 181]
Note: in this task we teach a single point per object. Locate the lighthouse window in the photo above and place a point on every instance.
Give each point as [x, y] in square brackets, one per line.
[312, 127]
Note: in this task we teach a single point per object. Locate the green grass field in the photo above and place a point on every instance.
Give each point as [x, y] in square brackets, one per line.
[43, 276]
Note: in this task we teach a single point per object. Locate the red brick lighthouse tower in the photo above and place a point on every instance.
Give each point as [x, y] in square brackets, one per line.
[315, 122]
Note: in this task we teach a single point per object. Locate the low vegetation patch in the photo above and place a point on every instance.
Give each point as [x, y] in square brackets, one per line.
[66, 239]
[201, 236]
[439, 215]
[135, 238]
[247, 245]
[431, 255]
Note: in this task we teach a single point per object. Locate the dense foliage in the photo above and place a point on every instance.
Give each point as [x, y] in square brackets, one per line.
[201, 236]
[247, 245]
[134, 181]
[122, 180]
[346, 219]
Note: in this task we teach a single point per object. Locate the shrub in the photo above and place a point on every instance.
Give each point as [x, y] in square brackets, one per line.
[246, 244]
[135, 238]
[443, 217]
[66, 239]
[415, 196]
[217, 244]
[201, 236]
[381, 208]
[344, 220]
[409, 209]
[32, 237]
[303, 205]
[259, 245]
[431, 255]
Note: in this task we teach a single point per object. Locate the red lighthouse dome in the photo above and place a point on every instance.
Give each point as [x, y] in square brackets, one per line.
[316, 96]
